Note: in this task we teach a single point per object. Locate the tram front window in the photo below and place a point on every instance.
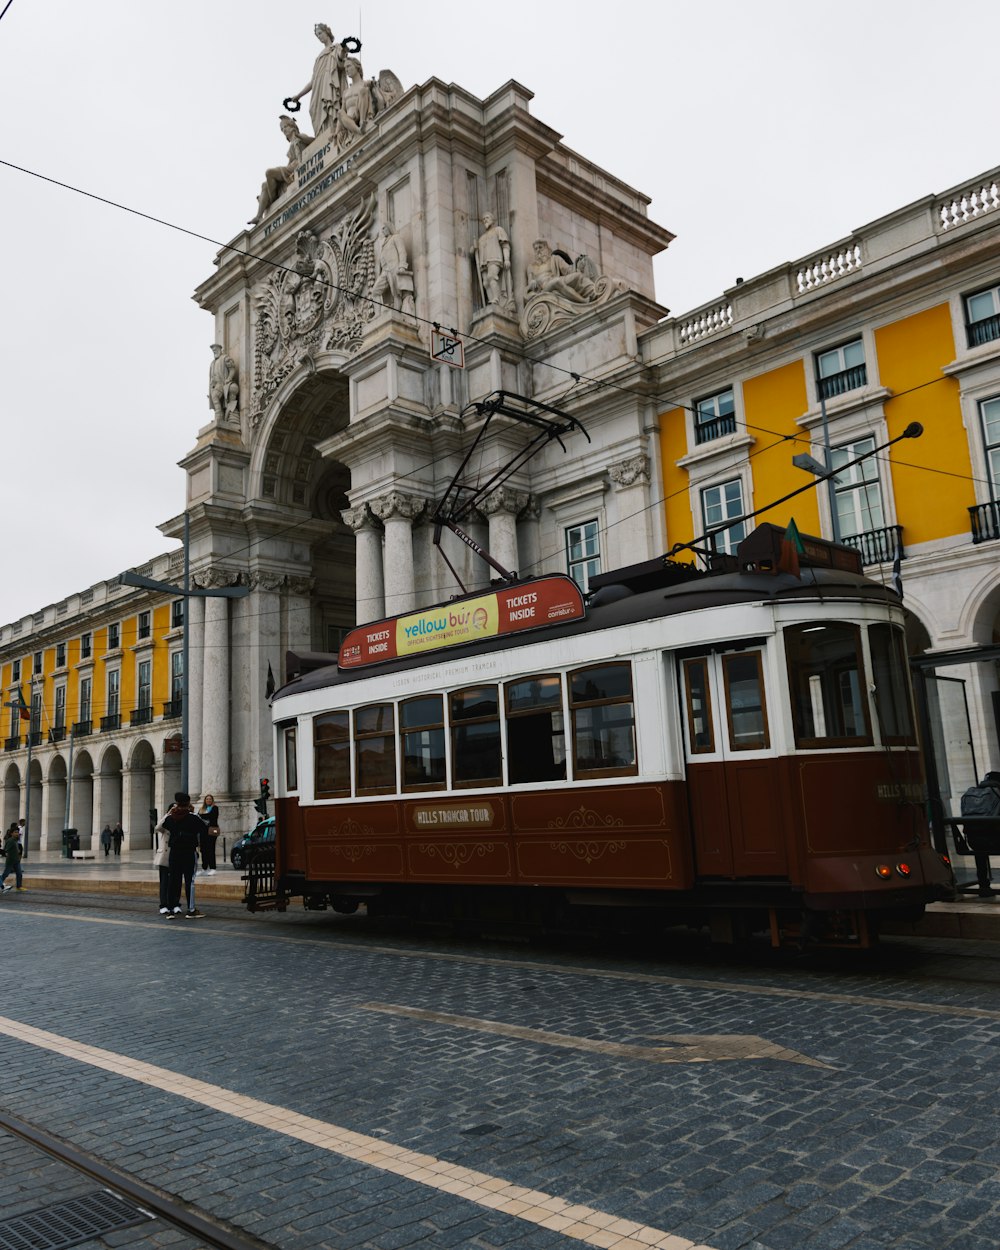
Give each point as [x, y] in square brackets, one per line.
[421, 725]
[536, 738]
[332, 755]
[892, 687]
[824, 675]
[475, 736]
[603, 720]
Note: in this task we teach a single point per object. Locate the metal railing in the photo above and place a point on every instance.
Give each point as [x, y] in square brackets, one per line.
[172, 709]
[261, 883]
[846, 380]
[985, 518]
[706, 431]
[141, 716]
[12, 744]
[83, 728]
[880, 546]
[57, 733]
[110, 723]
[985, 331]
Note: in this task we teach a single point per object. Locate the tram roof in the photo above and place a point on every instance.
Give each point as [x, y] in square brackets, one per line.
[613, 605]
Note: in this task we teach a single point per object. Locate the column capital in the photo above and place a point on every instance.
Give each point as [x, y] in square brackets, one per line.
[504, 499]
[627, 472]
[217, 577]
[397, 504]
[360, 518]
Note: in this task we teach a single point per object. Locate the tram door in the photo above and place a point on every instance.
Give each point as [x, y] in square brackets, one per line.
[731, 771]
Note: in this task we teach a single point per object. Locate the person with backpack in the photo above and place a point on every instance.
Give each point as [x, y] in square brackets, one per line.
[982, 802]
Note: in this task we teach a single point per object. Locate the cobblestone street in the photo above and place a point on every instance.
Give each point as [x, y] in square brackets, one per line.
[317, 1082]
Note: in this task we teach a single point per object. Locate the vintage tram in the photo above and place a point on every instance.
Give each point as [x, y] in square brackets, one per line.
[732, 749]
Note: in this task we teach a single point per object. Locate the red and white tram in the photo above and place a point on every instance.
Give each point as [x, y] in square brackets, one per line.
[733, 748]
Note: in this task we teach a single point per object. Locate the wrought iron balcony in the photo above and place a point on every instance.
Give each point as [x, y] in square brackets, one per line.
[141, 716]
[985, 518]
[12, 744]
[172, 709]
[846, 380]
[985, 331]
[35, 738]
[57, 733]
[880, 546]
[706, 431]
[110, 723]
[83, 728]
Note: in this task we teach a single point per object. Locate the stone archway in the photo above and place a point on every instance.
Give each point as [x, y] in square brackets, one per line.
[136, 820]
[108, 808]
[55, 804]
[11, 795]
[81, 799]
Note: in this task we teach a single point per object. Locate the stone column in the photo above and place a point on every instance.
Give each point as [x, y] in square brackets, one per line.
[369, 582]
[397, 513]
[631, 481]
[215, 708]
[194, 620]
[502, 508]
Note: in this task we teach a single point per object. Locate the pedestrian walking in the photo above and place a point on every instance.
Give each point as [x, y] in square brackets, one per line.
[106, 840]
[12, 858]
[185, 830]
[209, 814]
[118, 837]
[161, 861]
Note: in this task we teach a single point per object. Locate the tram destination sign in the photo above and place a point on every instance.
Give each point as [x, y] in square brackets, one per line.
[552, 600]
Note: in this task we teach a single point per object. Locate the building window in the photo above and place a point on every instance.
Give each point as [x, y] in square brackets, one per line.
[841, 369]
[982, 316]
[177, 614]
[989, 411]
[59, 721]
[176, 675]
[37, 667]
[86, 686]
[60, 655]
[16, 671]
[114, 691]
[714, 416]
[857, 490]
[144, 626]
[583, 552]
[85, 646]
[114, 637]
[36, 712]
[718, 505]
[145, 683]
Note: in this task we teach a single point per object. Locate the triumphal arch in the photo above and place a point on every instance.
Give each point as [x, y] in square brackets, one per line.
[413, 250]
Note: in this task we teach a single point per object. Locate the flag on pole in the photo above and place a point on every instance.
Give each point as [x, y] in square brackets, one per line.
[22, 707]
[897, 574]
[270, 687]
[791, 549]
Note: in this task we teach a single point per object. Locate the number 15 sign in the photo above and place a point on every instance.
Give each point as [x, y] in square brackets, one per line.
[448, 349]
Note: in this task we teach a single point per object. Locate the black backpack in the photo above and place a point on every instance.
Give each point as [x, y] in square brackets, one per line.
[982, 801]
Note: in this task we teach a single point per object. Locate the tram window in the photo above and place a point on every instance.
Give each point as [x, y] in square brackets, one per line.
[745, 701]
[824, 676]
[701, 731]
[421, 734]
[603, 721]
[536, 736]
[332, 755]
[475, 736]
[375, 747]
[893, 706]
[291, 762]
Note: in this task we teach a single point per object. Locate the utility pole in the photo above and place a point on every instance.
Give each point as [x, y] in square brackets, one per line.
[822, 469]
[187, 593]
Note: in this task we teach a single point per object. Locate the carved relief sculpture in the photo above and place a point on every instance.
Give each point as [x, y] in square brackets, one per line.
[223, 387]
[281, 176]
[492, 256]
[394, 284]
[558, 289]
[322, 300]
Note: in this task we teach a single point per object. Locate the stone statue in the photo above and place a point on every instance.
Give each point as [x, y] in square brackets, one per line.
[355, 104]
[277, 179]
[559, 290]
[549, 272]
[223, 388]
[492, 252]
[394, 284]
[328, 83]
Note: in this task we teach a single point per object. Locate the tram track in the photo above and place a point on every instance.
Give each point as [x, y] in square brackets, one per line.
[169, 1209]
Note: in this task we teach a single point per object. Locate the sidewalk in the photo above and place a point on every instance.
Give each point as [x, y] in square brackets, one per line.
[129, 873]
[970, 918]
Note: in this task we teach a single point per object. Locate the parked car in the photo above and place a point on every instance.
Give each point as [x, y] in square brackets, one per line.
[244, 847]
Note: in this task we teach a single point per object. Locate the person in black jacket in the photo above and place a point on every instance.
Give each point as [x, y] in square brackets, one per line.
[184, 829]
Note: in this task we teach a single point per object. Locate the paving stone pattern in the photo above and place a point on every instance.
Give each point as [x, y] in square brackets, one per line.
[895, 1146]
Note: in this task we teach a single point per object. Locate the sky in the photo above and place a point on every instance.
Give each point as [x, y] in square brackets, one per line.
[761, 133]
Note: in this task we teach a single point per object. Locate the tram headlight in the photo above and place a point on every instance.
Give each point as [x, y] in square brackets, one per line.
[903, 869]
[884, 871]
